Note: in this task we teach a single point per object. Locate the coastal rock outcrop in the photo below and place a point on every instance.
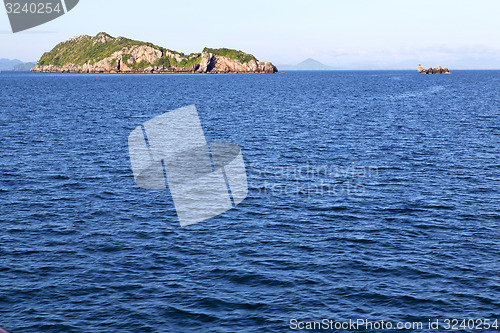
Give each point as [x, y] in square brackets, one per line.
[430, 70]
[212, 63]
[106, 54]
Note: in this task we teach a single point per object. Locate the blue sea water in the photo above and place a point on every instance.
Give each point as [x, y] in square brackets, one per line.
[372, 195]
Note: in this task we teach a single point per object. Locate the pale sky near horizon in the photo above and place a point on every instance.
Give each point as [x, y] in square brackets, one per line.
[350, 34]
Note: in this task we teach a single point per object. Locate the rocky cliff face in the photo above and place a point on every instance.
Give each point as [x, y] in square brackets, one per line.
[437, 70]
[212, 63]
[105, 54]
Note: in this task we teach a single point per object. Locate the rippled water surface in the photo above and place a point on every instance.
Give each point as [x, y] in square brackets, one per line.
[372, 195]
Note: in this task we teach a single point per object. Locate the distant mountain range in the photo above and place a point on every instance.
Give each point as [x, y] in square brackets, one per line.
[306, 65]
[15, 65]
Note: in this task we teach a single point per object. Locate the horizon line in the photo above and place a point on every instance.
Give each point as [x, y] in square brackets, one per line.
[383, 69]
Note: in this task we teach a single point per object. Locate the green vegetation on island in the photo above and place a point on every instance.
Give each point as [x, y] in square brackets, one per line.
[233, 54]
[86, 49]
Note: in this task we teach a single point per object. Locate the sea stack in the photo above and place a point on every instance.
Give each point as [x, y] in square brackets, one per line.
[430, 70]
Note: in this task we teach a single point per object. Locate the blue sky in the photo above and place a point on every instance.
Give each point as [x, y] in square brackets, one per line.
[350, 34]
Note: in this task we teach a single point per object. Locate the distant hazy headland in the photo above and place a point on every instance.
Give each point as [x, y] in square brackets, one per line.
[106, 54]
[306, 65]
[15, 65]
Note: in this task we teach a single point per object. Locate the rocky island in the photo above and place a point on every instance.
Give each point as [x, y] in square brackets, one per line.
[106, 54]
[437, 70]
